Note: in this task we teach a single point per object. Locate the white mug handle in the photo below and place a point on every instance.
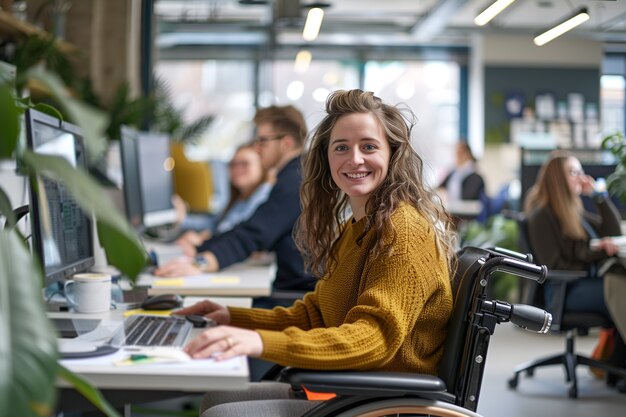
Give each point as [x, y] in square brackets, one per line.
[69, 294]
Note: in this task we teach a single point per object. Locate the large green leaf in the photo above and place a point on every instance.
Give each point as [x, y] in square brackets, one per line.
[6, 209]
[9, 133]
[86, 390]
[120, 242]
[91, 121]
[28, 353]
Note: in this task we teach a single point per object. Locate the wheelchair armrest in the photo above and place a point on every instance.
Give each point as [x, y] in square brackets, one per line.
[346, 383]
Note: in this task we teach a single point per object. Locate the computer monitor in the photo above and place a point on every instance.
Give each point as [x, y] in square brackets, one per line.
[148, 179]
[130, 174]
[61, 231]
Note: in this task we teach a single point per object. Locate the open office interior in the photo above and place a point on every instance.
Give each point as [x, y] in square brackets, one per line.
[179, 82]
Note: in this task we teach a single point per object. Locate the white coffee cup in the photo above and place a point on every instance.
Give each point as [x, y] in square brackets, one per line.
[89, 292]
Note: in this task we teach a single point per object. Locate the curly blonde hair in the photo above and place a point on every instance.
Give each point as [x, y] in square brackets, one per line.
[324, 204]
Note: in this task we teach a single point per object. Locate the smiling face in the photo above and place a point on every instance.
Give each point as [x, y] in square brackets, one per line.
[358, 156]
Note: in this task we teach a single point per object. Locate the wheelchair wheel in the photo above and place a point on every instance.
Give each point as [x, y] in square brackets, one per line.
[408, 406]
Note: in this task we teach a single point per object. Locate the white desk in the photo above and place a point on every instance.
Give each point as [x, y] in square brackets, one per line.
[193, 376]
[239, 280]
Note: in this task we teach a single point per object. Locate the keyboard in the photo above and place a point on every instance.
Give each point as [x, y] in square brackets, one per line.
[147, 330]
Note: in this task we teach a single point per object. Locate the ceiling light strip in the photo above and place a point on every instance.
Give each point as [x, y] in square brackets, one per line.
[313, 24]
[492, 11]
[580, 17]
[303, 59]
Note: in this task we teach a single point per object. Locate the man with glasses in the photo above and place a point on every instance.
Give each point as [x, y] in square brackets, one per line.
[280, 134]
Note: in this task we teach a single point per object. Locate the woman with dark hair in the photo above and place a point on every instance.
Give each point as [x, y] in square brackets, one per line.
[464, 182]
[378, 240]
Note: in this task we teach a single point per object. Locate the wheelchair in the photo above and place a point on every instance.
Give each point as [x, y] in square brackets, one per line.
[456, 390]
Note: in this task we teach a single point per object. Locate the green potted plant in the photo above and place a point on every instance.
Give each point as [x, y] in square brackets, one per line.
[28, 351]
[169, 119]
[616, 182]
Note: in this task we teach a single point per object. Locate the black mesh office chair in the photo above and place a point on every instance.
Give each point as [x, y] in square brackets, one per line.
[456, 390]
[569, 322]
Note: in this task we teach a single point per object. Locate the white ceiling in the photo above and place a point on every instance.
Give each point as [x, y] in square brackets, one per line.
[391, 21]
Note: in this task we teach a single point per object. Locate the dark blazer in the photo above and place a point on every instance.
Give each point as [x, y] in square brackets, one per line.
[269, 229]
[472, 186]
[558, 251]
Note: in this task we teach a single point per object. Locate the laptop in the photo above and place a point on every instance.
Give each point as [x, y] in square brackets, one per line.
[82, 338]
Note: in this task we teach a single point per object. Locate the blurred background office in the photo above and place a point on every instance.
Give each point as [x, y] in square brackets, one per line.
[197, 70]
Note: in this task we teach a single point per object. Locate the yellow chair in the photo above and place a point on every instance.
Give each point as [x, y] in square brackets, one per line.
[193, 180]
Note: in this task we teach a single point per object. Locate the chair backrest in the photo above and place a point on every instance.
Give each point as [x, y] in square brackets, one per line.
[464, 286]
[192, 180]
[533, 294]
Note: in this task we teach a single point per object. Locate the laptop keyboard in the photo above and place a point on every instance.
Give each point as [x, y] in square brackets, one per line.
[146, 330]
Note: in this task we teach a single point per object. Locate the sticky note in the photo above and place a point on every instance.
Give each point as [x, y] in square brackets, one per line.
[151, 312]
[170, 282]
[225, 280]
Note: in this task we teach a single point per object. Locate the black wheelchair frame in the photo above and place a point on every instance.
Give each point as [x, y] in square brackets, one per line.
[455, 392]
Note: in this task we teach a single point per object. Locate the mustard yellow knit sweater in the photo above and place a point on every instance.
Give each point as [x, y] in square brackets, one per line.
[388, 313]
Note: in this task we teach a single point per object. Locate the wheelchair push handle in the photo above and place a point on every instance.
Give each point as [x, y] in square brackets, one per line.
[531, 318]
[527, 317]
[516, 267]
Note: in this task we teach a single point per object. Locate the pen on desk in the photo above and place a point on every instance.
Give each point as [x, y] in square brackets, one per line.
[140, 358]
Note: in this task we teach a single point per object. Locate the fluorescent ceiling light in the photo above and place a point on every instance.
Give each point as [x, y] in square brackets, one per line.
[313, 23]
[303, 59]
[570, 23]
[492, 11]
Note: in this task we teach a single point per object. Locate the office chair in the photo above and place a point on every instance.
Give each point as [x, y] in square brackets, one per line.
[568, 322]
[456, 390]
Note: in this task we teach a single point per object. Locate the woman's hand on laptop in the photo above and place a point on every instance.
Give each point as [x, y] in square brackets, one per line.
[209, 309]
[225, 342]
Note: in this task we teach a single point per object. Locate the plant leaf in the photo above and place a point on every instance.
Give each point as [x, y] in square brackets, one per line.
[87, 390]
[9, 121]
[28, 354]
[6, 209]
[49, 110]
[131, 258]
[93, 199]
[91, 121]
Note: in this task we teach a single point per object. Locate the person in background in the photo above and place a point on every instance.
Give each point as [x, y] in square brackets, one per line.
[464, 182]
[560, 230]
[280, 131]
[250, 186]
[383, 299]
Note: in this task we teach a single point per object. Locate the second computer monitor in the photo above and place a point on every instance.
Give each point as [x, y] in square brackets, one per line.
[148, 179]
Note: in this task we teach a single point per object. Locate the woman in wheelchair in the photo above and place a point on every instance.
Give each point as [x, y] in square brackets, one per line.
[383, 299]
[560, 230]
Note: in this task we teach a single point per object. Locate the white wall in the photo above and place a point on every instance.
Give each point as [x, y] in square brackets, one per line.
[521, 51]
